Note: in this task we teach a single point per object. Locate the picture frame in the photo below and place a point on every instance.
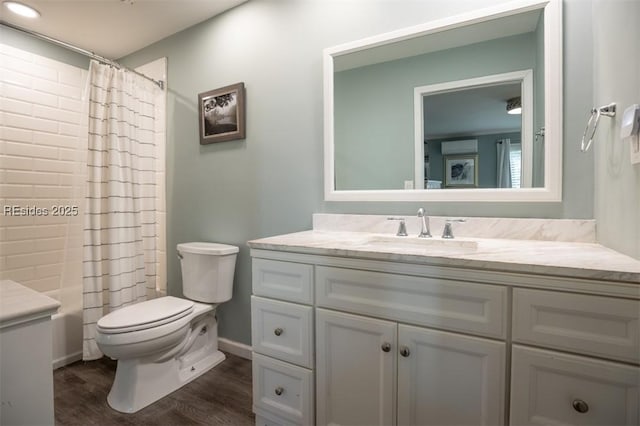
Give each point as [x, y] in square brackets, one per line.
[461, 171]
[222, 114]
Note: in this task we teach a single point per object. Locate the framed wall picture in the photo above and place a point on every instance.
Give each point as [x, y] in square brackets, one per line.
[222, 114]
[461, 171]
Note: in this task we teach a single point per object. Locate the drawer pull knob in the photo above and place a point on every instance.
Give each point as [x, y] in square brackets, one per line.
[580, 406]
[386, 347]
[404, 351]
[279, 390]
[278, 331]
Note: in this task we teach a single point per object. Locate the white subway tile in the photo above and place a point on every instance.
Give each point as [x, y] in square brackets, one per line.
[44, 284]
[30, 68]
[15, 163]
[14, 134]
[18, 275]
[53, 192]
[58, 166]
[30, 123]
[30, 150]
[16, 191]
[72, 92]
[69, 129]
[28, 95]
[33, 259]
[9, 221]
[26, 232]
[45, 271]
[9, 248]
[7, 50]
[17, 107]
[71, 105]
[52, 139]
[55, 114]
[49, 244]
[33, 178]
[15, 78]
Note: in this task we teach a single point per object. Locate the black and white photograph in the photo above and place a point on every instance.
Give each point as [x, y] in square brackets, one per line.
[222, 114]
[461, 171]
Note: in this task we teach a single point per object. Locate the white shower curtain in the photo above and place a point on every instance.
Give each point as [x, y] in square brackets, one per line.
[503, 148]
[119, 257]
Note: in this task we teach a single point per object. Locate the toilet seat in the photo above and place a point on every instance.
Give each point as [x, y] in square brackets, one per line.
[145, 315]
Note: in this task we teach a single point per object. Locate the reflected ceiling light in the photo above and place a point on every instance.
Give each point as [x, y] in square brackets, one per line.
[21, 9]
[514, 105]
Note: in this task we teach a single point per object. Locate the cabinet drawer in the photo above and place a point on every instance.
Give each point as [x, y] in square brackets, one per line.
[283, 280]
[283, 390]
[594, 325]
[282, 330]
[446, 304]
[552, 388]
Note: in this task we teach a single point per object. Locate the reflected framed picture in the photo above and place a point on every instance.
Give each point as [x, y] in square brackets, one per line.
[461, 171]
[222, 114]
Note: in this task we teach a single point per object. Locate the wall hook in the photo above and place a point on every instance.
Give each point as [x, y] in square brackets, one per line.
[607, 111]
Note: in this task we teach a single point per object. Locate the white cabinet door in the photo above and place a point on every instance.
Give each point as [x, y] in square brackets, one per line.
[449, 379]
[551, 388]
[355, 370]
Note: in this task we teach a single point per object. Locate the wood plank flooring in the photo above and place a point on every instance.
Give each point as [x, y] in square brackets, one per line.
[222, 396]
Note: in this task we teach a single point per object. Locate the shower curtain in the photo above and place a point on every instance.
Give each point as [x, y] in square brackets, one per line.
[119, 250]
[503, 171]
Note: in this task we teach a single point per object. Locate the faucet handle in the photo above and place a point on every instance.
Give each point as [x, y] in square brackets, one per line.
[447, 232]
[402, 227]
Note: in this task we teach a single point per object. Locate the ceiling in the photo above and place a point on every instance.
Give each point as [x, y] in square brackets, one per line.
[115, 28]
[477, 111]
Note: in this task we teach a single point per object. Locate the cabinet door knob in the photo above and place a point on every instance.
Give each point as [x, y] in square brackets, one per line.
[386, 347]
[404, 351]
[278, 331]
[279, 390]
[580, 406]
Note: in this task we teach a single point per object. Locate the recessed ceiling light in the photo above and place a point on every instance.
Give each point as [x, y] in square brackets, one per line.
[22, 9]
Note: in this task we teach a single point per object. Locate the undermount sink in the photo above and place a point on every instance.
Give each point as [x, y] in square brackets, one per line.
[415, 242]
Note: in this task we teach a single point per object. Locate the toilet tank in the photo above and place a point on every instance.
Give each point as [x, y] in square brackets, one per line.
[207, 271]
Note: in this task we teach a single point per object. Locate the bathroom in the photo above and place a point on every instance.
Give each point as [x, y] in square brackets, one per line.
[272, 181]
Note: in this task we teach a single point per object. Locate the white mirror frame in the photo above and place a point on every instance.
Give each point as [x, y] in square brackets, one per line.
[524, 77]
[551, 192]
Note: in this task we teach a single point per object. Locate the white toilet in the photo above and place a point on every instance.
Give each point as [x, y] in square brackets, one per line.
[164, 343]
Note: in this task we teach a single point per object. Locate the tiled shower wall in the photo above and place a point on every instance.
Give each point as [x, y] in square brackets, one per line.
[41, 133]
[42, 166]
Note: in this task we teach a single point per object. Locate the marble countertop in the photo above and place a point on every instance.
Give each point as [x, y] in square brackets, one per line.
[559, 258]
[19, 304]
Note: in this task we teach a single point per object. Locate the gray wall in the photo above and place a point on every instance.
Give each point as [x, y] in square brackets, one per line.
[487, 157]
[31, 44]
[271, 182]
[616, 79]
[374, 121]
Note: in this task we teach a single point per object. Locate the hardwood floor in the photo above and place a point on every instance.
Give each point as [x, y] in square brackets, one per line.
[221, 396]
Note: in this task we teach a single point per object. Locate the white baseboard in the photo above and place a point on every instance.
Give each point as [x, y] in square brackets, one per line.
[66, 360]
[235, 348]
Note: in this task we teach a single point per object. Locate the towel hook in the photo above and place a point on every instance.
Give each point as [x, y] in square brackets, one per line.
[607, 111]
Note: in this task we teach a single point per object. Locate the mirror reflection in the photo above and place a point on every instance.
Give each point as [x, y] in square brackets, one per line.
[431, 112]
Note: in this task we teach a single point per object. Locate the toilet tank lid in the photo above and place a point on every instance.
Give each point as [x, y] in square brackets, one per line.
[207, 248]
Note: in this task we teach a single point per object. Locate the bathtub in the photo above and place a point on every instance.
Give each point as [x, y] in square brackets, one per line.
[67, 337]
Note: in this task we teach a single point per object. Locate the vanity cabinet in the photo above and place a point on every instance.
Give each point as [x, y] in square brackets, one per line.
[340, 340]
[364, 365]
[282, 341]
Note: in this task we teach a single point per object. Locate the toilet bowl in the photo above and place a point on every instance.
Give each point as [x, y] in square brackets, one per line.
[164, 343]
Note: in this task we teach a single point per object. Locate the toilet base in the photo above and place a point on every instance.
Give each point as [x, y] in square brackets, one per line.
[141, 381]
[138, 384]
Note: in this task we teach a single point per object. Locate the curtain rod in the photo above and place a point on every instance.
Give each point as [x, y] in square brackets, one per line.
[80, 50]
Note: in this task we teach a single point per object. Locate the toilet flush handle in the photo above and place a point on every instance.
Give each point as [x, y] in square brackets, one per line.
[180, 256]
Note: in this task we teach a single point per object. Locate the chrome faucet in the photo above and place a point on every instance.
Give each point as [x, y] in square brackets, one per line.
[425, 232]
[447, 232]
[402, 227]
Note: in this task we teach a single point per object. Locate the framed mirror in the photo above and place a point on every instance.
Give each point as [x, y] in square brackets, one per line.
[410, 112]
